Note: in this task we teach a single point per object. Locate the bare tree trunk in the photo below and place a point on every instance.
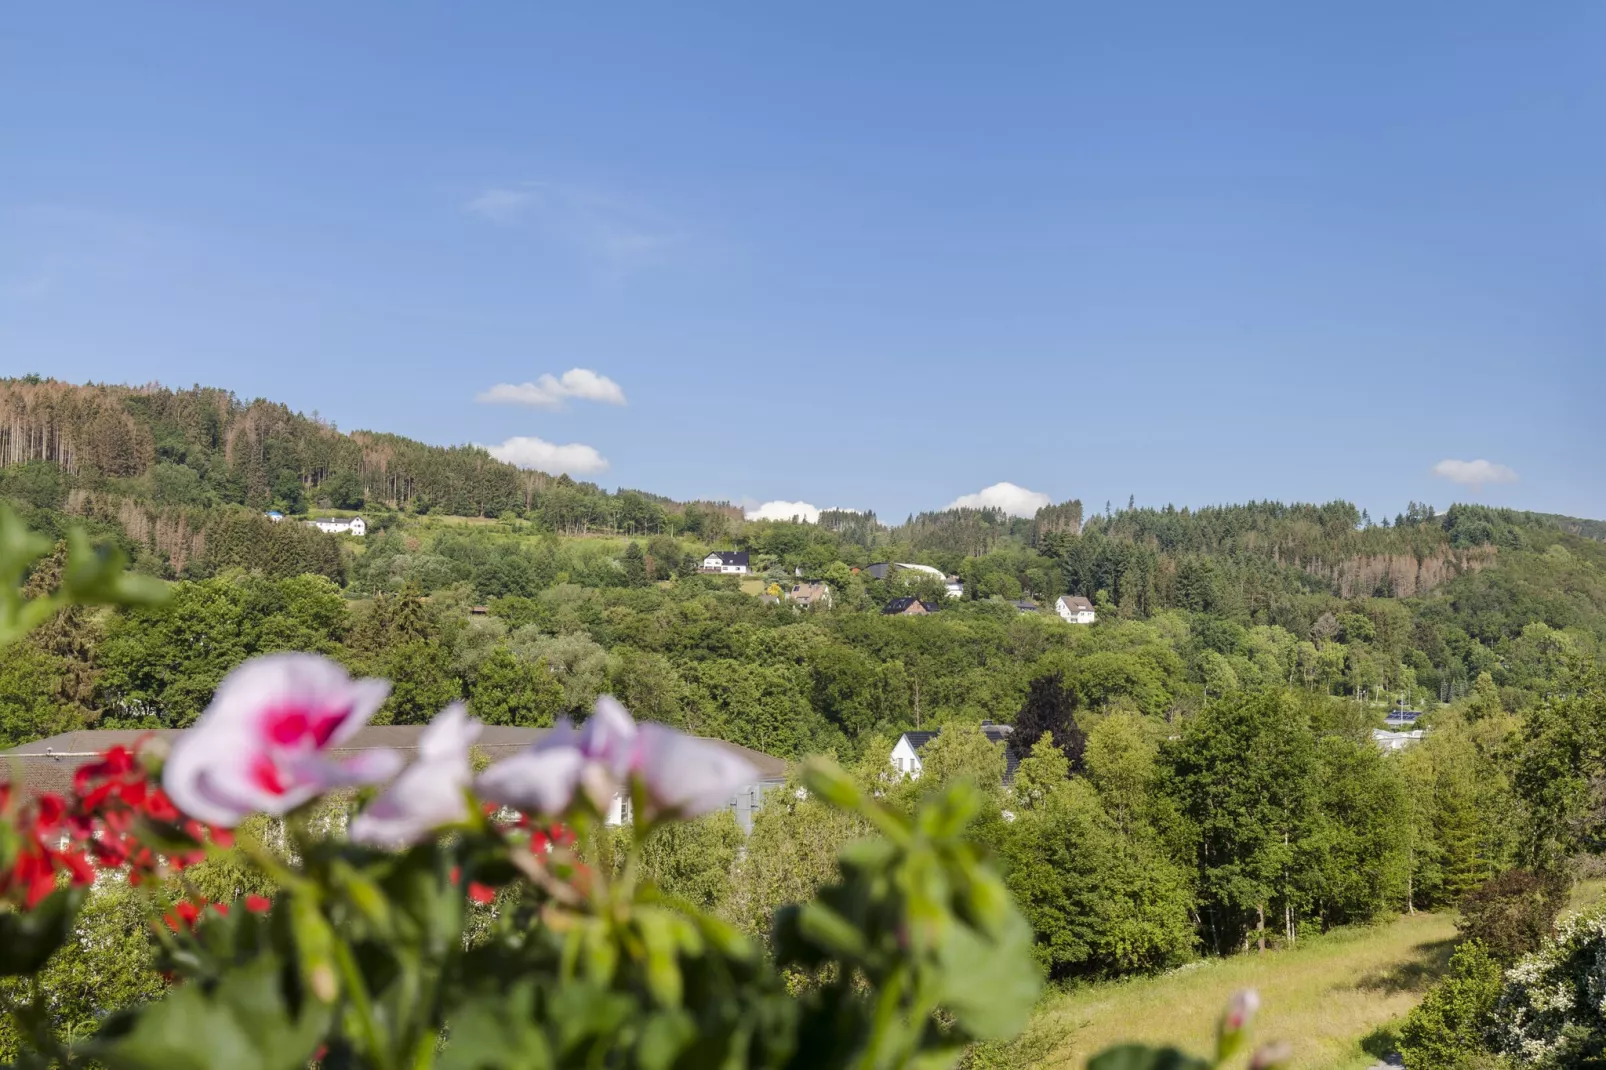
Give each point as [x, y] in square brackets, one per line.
[1260, 928]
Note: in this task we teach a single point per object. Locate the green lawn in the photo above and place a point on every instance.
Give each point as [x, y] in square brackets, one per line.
[1326, 998]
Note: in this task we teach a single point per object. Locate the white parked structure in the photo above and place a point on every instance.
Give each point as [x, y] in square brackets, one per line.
[355, 526]
[1393, 741]
[950, 584]
[727, 562]
[1074, 609]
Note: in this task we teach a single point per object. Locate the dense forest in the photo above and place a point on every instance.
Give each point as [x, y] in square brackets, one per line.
[1196, 770]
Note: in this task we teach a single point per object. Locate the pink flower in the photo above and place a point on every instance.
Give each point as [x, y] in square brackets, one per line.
[1241, 1010]
[429, 794]
[262, 745]
[681, 775]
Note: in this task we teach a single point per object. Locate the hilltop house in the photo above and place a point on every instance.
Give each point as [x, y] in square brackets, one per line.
[908, 607]
[1074, 609]
[726, 562]
[906, 752]
[355, 526]
[809, 595]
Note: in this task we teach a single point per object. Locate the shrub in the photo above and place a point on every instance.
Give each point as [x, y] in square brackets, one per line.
[1513, 913]
[1449, 1029]
[1550, 1010]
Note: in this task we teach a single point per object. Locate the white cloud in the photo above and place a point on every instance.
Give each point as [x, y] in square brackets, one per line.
[527, 451]
[549, 392]
[1474, 474]
[1016, 501]
[779, 510]
[621, 234]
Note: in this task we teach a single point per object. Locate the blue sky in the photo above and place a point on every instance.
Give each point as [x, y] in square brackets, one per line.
[862, 255]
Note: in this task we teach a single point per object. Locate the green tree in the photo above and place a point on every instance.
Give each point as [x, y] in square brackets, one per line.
[1448, 1030]
[1242, 774]
[510, 691]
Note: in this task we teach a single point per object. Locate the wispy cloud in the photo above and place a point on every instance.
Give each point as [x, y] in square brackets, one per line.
[1474, 474]
[1016, 501]
[621, 234]
[551, 392]
[527, 451]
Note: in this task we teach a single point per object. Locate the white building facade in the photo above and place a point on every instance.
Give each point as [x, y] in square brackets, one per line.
[355, 526]
[1074, 609]
[726, 562]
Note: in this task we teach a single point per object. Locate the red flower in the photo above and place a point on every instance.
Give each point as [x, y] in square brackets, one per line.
[481, 893]
[258, 904]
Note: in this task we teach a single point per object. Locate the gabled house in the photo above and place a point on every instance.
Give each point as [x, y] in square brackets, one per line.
[1024, 605]
[809, 595]
[908, 607]
[355, 526]
[726, 562]
[906, 752]
[1074, 609]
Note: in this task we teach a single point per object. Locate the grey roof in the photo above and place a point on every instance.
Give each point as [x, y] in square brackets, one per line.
[1076, 602]
[879, 571]
[48, 764]
[730, 557]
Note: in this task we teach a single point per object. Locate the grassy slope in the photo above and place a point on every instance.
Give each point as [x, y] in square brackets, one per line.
[1328, 997]
[1324, 997]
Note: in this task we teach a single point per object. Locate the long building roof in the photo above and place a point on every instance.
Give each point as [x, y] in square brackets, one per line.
[49, 764]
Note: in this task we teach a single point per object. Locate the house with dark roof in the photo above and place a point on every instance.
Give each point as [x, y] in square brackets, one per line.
[908, 607]
[47, 765]
[1024, 605]
[726, 562]
[906, 752]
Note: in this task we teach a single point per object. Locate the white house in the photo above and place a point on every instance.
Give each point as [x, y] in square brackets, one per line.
[906, 752]
[726, 562]
[355, 526]
[1074, 609]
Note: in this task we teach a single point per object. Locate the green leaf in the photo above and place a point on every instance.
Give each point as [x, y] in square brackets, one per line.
[243, 1022]
[657, 930]
[989, 987]
[663, 1038]
[497, 1032]
[1139, 1057]
[28, 938]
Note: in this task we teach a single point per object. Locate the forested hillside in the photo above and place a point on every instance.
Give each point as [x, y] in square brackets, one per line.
[1263, 636]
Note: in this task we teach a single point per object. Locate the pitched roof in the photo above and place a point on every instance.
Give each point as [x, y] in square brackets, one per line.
[729, 557]
[919, 739]
[1076, 603]
[899, 605]
[48, 764]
